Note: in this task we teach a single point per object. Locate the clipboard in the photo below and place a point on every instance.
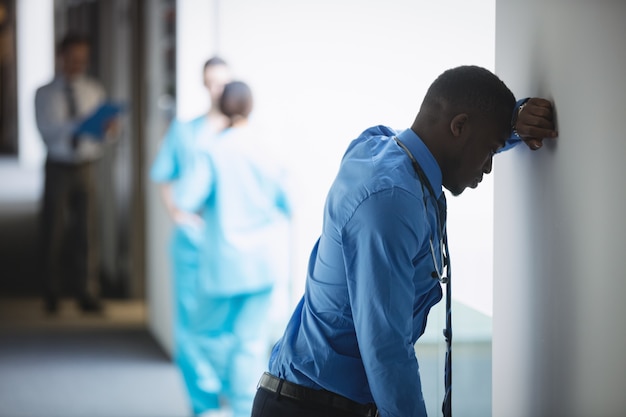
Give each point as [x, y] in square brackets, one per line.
[96, 123]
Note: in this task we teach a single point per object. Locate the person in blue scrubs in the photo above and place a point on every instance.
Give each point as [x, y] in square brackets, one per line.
[377, 268]
[171, 169]
[241, 192]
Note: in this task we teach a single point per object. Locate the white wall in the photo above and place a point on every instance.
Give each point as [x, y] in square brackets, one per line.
[324, 71]
[558, 326]
[35, 67]
[158, 225]
[196, 41]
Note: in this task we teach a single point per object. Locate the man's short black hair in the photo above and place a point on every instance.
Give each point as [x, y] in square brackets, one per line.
[216, 60]
[471, 89]
[71, 39]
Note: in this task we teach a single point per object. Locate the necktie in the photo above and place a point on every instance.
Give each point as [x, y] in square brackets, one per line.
[71, 101]
[447, 332]
[72, 110]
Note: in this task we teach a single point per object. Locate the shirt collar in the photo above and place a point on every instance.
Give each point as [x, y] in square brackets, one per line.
[60, 78]
[424, 158]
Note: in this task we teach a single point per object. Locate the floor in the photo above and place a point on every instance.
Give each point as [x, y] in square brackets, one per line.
[79, 366]
[27, 313]
[70, 364]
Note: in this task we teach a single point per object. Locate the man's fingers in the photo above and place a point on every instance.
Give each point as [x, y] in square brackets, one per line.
[533, 126]
[544, 112]
[536, 120]
[540, 132]
[541, 102]
[536, 132]
[533, 143]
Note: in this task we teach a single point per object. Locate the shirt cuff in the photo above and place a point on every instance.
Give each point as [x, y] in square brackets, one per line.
[515, 138]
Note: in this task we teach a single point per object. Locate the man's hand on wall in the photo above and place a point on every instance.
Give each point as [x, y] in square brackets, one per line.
[535, 122]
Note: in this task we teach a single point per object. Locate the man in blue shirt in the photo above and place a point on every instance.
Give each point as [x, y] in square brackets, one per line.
[348, 349]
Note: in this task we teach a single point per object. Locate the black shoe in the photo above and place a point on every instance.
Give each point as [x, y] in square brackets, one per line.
[90, 305]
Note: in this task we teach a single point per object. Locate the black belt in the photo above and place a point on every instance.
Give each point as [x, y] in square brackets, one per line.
[67, 164]
[297, 392]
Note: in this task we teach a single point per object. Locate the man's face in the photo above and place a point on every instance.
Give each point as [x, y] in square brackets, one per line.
[474, 157]
[215, 78]
[75, 60]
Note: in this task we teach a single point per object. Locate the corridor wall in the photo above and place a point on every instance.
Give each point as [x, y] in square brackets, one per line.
[558, 325]
[194, 43]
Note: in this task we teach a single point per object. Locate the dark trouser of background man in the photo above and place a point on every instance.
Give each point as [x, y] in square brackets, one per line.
[68, 241]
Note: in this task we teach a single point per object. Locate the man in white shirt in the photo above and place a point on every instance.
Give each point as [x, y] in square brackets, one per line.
[69, 201]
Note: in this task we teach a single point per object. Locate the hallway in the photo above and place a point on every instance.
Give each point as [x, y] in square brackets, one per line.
[110, 365]
[70, 365]
[20, 190]
[84, 366]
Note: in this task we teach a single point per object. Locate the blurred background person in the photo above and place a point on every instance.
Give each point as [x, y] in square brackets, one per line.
[69, 198]
[171, 169]
[245, 207]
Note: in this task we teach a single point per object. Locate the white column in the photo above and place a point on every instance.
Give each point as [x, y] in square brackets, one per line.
[196, 41]
[194, 45]
[558, 325]
[35, 67]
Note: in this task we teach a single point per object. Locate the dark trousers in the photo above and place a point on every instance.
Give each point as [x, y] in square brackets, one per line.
[69, 245]
[269, 404]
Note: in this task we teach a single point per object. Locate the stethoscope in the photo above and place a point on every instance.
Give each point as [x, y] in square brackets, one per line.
[444, 263]
[440, 265]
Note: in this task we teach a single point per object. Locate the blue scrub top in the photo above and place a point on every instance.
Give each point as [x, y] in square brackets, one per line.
[173, 163]
[177, 156]
[244, 196]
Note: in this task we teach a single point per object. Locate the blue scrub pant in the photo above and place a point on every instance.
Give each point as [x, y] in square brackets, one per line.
[184, 255]
[221, 343]
[232, 335]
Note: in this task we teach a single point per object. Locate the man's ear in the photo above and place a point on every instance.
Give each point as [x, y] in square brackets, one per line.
[458, 125]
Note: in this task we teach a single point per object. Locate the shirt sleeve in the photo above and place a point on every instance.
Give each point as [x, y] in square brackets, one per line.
[166, 165]
[515, 139]
[55, 129]
[196, 185]
[283, 200]
[281, 190]
[380, 242]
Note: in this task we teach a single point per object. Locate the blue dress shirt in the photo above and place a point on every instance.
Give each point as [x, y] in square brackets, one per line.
[56, 124]
[369, 287]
